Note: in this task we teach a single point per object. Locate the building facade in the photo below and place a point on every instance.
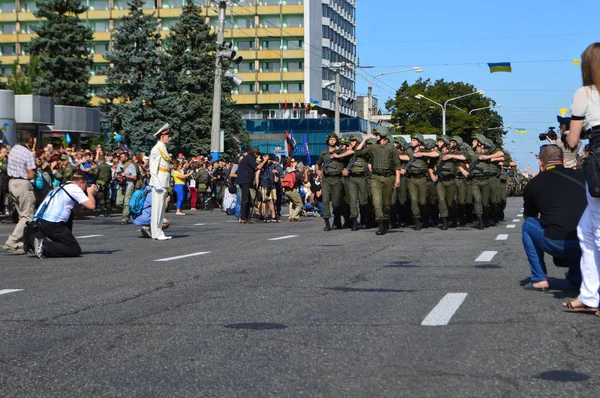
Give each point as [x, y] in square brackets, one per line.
[287, 45]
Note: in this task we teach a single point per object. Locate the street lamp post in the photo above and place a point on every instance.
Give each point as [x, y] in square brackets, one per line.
[445, 106]
[487, 107]
[370, 89]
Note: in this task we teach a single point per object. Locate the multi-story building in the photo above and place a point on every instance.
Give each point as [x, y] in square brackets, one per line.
[287, 45]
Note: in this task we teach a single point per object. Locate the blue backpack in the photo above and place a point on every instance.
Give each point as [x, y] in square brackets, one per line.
[136, 203]
[267, 178]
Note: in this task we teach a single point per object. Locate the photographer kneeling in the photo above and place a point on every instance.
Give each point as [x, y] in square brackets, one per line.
[557, 196]
[56, 218]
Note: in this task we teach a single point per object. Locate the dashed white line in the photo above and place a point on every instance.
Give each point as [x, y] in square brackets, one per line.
[511, 226]
[486, 256]
[88, 236]
[200, 223]
[7, 291]
[502, 237]
[519, 215]
[516, 220]
[441, 314]
[182, 256]
[284, 237]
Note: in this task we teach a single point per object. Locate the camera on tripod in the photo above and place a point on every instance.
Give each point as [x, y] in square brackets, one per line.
[549, 134]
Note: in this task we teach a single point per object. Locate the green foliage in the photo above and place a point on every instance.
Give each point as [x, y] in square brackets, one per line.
[190, 84]
[63, 46]
[135, 99]
[23, 79]
[410, 115]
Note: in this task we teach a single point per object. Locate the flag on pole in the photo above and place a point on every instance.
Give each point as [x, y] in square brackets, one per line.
[306, 106]
[294, 143]
[285, 105]
[289, 143]
[563, 111]
[293, 105]
[313, 102]
[305, 150]
[68, 139]
[576, 62]
[521, 131]
[500, 67]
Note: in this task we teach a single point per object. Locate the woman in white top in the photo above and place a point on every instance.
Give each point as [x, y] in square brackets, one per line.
[585, 121]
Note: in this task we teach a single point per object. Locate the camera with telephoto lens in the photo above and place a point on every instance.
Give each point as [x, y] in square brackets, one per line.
[549, 134]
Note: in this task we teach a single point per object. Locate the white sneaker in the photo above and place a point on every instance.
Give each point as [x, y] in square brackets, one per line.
[38, 246]
[164, 237]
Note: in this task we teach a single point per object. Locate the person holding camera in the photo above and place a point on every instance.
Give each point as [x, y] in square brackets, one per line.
[553, 201]
[126, 177]
[56, 218]
[570, 154]
[246, 174]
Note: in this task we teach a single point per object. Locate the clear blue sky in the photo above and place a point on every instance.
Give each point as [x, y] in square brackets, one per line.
[454, 41]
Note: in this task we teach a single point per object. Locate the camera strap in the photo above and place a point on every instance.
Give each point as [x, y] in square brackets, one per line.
[576, 181]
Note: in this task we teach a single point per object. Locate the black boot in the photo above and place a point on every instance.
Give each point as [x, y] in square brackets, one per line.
[337, 222]
[381, 229]
[327, 225]
[444, 223]
[417, 224]
[480, 224]
[354, 224]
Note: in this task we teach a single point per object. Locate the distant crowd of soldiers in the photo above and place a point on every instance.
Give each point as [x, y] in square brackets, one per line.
[393, 183]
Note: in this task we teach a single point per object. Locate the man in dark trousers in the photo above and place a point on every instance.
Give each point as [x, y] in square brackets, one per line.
[554, 202]
[246, 173]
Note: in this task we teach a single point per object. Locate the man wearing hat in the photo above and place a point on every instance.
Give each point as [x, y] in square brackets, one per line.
[103, 174]
[400, 197]
[160, 175]
[415, 169]
[385, 175]
[66, 170]
[344, 145]
[329, 169]
[358, 194]
[493, 157]
[445, 174]
[463, 185]
[480, 187]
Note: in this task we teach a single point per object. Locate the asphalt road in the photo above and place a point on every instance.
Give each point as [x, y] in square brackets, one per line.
[331, 314]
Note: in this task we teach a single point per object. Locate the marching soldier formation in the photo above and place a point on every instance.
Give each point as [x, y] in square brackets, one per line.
[391, 183]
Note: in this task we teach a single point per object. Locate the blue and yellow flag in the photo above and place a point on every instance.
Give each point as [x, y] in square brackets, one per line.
[521, 131]
[305, 150]
[500, 67]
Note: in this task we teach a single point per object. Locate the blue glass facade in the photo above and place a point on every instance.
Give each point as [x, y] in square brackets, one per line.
[316, 133]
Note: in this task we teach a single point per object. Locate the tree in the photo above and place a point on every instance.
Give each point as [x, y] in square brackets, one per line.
[23, 79]
[410, 115]
[190, 84]
[63, 46]
[134, 96]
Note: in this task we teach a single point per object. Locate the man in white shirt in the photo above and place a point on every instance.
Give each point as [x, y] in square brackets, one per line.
[160, 174]
[56, 218]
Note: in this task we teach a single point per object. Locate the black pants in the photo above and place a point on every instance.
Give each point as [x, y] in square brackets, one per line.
[59, 240]
[245, 205]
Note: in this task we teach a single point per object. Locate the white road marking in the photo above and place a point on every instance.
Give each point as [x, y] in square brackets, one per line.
[486, 256]
[200, 223]
[502, 237]
[183, 256]
[511, 226]
[7, 291]
[519, 215]
[441, 314]
[87, 236]
[516, 220]
[284, 237]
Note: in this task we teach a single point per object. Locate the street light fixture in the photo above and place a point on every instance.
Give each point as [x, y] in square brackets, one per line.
[445, 106]
[371, 80]
[487, 107]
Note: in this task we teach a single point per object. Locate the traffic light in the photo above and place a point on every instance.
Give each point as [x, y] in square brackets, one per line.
[225, 52]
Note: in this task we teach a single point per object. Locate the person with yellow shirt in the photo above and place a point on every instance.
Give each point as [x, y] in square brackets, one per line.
[179, 185]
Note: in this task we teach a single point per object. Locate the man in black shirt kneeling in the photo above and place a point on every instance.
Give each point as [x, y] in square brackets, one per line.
[554, 202]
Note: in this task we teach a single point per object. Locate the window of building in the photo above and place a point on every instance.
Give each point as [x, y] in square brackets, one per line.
[244, 3]
[168, 23]
[98, 4]
[295, 21]
[244, 22]
[245, 45]
[101, 69]
[8, 6]
[6, 71]
[295, 87]
[272, 88]
[270, 22]
[100, 48]
[100, 26]
[9, 28]
[295, 66]
[295, 44]
[272, 44]
[270, 66]
[28, 6]
[246, 88]
[9, 49]
[294, 2]
[172, 4]
[149, 4]
[25, 49]
[245, 67]
[214, 22]
[269, 2]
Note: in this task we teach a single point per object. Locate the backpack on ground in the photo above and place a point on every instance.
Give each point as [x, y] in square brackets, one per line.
[289, 181]
[136, 203]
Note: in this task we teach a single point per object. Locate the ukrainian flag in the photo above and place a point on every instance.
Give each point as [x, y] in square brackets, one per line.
[521, 131]
[500, 67]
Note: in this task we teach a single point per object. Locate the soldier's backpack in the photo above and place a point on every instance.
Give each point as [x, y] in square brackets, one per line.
[289, 181]
[136, 203]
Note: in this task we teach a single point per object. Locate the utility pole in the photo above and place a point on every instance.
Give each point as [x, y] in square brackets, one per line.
[337, 102]
[369, 106]
[215, 132]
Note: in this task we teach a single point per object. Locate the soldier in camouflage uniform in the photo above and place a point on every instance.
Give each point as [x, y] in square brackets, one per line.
[329, 171]
[343, 146]
[493, 157]
[478, 170]
[445, 173]
[400, 208]
[463, 191]
[103, 175]
[432, 197]
[356, 173]
[66, 170]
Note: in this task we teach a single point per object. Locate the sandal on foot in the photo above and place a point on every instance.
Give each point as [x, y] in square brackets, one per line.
[530, 286]
[569, 307]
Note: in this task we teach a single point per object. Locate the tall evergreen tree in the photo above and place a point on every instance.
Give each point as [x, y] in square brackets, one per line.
[134, 97]
[63, 46]
[190, 84]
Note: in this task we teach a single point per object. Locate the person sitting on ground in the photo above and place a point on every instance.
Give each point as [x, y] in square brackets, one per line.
[56, 218]
[553, 204]
[143, 220]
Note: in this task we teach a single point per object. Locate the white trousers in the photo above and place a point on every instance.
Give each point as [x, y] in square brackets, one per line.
[159, 199]
[588, 232]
